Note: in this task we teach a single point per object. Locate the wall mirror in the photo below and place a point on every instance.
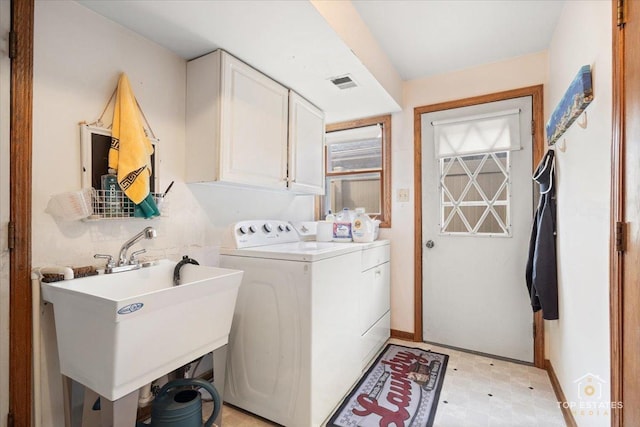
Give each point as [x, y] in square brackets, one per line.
[94, 150]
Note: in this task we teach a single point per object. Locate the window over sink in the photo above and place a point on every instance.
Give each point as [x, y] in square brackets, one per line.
[358, 167]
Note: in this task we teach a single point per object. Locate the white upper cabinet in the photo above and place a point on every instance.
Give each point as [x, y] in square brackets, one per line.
[237, 123]
[245, 128]
[306, 145]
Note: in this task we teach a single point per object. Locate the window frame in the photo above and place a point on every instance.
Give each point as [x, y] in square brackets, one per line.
[385, 171]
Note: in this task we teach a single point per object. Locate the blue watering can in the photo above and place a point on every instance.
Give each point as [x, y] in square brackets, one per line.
[178, 404]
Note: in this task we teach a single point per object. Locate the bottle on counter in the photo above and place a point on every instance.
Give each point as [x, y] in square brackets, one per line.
[362, 229]
[346, 215]
[342, 226]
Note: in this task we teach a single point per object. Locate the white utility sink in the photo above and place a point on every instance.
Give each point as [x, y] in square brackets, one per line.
[117, 332]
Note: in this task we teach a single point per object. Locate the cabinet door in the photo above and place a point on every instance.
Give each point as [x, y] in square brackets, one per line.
[306, 145]
[203, 119]
[375, 295]
[253, 132]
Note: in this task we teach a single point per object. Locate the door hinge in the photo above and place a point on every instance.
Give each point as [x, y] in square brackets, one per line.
[533, 127]
[10, 421]
[13, 44]
[534, 331]
[621, 13]
[11, 236]
[621, 236]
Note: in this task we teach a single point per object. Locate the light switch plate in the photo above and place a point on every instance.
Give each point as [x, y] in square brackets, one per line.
[403, 195]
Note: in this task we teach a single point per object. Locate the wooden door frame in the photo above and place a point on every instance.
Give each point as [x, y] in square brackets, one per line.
[536, 92]
[20, 299]
[616, 257]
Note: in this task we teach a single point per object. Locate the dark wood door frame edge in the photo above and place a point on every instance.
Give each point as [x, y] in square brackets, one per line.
[20, 311]
[617, 215]
[536, 92]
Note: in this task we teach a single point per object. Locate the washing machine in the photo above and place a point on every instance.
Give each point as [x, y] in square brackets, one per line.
[294, 342]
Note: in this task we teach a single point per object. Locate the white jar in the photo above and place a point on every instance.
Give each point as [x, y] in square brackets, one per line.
[324, 232]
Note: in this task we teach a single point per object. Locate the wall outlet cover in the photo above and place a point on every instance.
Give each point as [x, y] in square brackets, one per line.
[403, 195]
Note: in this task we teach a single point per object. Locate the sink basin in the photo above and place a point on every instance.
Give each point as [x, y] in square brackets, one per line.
[118, 332]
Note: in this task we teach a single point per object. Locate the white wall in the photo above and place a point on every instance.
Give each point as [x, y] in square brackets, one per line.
[77, 60]
[511, 74]
[579, 341]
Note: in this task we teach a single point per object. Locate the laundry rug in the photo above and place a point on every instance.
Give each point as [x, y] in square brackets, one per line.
[400, 389]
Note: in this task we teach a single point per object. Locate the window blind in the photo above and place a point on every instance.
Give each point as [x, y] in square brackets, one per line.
[355, 134]
[483, 133]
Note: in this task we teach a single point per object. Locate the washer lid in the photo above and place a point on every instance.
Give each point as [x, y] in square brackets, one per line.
[297, 251]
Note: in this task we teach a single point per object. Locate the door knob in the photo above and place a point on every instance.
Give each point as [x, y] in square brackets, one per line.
[430, 244]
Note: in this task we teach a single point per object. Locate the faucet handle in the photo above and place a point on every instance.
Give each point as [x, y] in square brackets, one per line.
[109, 259]
[133, 259]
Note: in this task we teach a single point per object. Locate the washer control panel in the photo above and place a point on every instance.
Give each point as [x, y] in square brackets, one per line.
[246, 234]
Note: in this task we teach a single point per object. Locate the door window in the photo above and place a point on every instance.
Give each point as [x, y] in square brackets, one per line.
[475, 190]
[474, 194]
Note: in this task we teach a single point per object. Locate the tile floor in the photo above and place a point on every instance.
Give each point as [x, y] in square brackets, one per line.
[233, 417]
[478, 391]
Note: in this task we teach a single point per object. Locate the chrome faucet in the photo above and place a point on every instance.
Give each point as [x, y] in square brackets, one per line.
[147, 233]
[123, 263]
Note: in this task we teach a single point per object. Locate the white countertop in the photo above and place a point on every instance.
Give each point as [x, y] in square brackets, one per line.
[308, 251]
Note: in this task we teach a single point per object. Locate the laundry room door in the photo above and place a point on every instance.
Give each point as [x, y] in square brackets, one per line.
[477, 210]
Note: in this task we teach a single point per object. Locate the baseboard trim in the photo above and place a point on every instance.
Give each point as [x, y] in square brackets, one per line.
[402, 335]
[566, 412]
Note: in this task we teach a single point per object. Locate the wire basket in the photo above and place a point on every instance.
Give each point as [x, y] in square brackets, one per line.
[109, 204]
[72, 205]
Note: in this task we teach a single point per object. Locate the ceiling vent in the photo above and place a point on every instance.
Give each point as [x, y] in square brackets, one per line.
[344, 82]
